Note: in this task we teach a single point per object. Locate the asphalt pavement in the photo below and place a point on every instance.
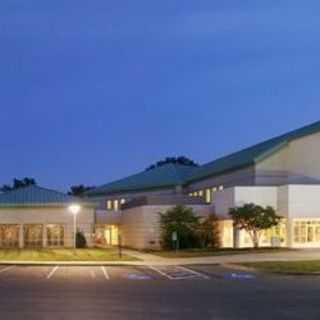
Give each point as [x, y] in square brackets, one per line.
[147, 293]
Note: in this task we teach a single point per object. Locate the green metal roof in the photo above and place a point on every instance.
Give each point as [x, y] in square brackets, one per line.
[173, 175]
[169, 175]
[252, 155]
[34, 195]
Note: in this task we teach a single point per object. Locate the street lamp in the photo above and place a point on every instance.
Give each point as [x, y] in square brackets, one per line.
[74, 209]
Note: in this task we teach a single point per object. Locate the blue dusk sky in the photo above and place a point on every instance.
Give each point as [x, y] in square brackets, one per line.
[92, 91]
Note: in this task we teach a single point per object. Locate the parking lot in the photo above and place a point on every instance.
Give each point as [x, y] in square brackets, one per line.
[99, 273]
[146, 293]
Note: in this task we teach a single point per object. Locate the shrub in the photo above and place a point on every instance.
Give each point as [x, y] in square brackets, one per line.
[81, 241]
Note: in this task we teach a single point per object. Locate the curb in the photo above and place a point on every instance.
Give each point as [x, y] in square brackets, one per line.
[70, 263]
[100, 263]
[239, 267]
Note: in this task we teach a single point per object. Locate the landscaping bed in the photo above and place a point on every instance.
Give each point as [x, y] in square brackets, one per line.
[287, 267]
[62, 255]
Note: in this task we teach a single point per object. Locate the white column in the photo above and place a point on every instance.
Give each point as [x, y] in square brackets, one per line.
[44, 235]
[289, 233]
[21, 242]
[236, 237]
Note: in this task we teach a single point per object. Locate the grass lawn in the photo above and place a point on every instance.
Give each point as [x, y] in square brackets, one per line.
[193, 253]
[287, 266]
[62, 255]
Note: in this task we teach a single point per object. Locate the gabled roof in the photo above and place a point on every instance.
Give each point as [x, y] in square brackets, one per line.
[166, 176]
[252, 155]
[34, 196]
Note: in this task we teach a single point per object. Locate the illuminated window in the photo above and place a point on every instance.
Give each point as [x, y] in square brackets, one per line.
[208, 196]
[55, 235]
[214, 189]
[200, 193]
[109, 205]
[221, 188]
[123, 201]
[307, 231]
[116, 205]
[191, 194]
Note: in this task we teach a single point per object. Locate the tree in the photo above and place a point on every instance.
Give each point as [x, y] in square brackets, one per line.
[184, 222]
[209, 232]
[182, 160]
[18, 183]
[79, 190]
[254, 218]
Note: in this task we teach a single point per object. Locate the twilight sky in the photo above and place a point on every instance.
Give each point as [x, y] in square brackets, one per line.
[92, 91]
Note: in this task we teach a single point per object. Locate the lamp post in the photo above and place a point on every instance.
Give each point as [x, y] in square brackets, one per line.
[74, 209]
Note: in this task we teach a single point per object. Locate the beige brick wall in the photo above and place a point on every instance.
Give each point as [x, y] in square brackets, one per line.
[85, 219]
[140, 227]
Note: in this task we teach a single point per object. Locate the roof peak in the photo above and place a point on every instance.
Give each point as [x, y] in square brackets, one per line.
[248, 156]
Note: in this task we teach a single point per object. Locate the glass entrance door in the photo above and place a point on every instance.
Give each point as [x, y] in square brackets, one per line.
[307, 232]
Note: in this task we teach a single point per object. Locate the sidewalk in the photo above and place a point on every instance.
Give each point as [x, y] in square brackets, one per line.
[153, 260]
[150, 259]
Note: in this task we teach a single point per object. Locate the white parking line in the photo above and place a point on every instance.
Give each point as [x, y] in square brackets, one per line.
[105, 272]
[192, 272]
[52, 272]
[201, 275]
[7, 269]
[162, 273]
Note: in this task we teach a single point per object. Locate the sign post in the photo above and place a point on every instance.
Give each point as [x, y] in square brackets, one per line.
[120, 246]
[175, 240]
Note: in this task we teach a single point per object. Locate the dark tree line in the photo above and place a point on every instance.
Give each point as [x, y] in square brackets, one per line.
[76, 190]
[182, 160]
[18, 183]
[79, 190]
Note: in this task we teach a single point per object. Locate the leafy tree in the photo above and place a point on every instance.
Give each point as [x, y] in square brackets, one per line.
[81, 241]
[18, 183]
[254, 218]
[79, 190]
[182, 220]
[182, 160]
[209, 232]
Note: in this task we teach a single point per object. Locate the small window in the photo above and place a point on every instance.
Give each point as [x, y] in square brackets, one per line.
[123, 201]
[208, 196]
[221, 188]
[116, 205]
[201, 193]
[109, 205]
